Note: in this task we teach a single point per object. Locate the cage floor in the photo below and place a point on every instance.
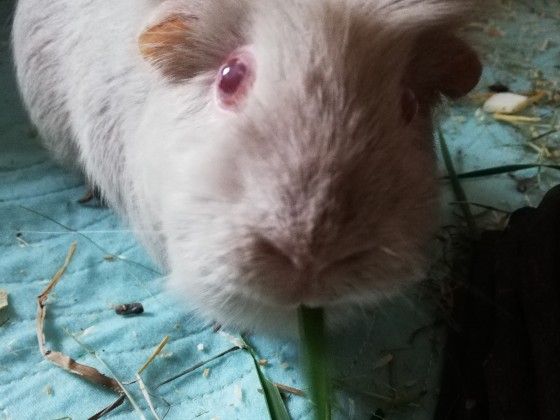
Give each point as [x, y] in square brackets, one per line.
[387, 365]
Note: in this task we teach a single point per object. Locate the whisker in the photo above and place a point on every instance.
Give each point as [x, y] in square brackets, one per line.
[83, 231]
[87, 238]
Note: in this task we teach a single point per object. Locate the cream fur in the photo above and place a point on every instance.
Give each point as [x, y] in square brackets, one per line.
[315, 192]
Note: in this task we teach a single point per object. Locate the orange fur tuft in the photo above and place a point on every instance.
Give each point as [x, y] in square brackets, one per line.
[160, 40]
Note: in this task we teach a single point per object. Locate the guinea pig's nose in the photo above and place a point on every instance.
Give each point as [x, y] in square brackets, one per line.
[298, 257]
[302, 270]
[308, 258]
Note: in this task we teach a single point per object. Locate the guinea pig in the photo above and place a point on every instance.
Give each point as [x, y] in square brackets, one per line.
[268, 153]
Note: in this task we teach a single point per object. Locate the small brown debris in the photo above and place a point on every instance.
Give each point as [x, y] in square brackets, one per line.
[289, 389]
[91, 194]
[523, 184]
[134, 308]
[495, 32]
[87, 197]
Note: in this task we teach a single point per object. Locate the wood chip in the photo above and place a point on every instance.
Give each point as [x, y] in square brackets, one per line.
[510, 103]
[505, 102]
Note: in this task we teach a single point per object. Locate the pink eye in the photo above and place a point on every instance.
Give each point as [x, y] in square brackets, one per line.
[235, 79]
[232, 75]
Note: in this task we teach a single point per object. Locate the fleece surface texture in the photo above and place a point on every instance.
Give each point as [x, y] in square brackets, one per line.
[387, 365]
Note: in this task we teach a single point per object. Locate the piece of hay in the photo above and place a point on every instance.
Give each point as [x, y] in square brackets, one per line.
[60, 359]
[141, 383]
[3, 307]
[64, 361]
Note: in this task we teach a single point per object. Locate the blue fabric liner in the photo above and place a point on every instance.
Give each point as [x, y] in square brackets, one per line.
[389, 359]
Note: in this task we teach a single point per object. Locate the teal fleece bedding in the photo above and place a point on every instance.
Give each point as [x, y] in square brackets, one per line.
[385, 366]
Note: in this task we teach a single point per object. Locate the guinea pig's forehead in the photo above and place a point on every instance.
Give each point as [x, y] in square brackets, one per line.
[309, 30]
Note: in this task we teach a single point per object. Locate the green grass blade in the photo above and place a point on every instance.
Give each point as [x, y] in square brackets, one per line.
[276, 407]
[497, 170]
[457, 188]
[315, 351]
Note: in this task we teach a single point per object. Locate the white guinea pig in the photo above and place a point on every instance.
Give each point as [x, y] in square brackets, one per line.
[269, 153]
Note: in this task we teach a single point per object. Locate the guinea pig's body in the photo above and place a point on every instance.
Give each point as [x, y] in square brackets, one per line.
[269, 153]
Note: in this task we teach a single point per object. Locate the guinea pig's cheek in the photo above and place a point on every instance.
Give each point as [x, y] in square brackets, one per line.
[409, 105]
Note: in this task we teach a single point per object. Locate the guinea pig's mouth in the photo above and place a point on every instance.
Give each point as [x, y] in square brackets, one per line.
[288, 291]
[310, 300]
[293, 298]
[335, 286]
[284, 277]
[314, 298]
[306, 291]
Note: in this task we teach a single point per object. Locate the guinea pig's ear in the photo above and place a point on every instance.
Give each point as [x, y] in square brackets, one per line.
[460, 69]
[183, 39]
[159, 40]
[443, 64]
[160, 44]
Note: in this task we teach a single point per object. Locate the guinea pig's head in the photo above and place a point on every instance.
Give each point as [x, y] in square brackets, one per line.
[301, 169]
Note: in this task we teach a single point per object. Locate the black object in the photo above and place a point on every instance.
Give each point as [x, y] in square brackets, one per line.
[502, 359]
[129, 308]
[498, 88]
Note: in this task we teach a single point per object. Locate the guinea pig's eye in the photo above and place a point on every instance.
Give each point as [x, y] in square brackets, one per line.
[235, 79]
